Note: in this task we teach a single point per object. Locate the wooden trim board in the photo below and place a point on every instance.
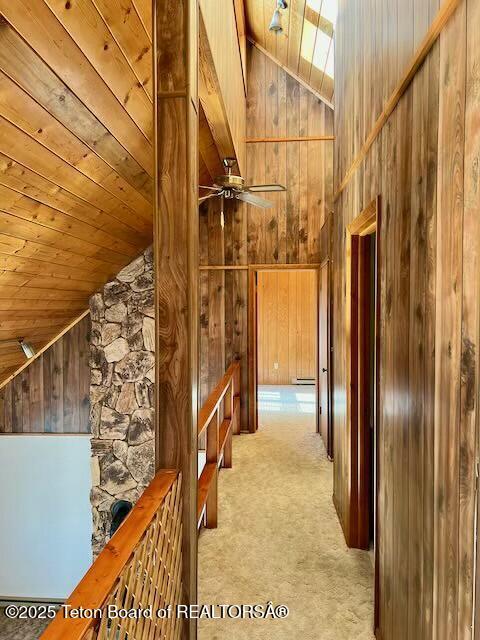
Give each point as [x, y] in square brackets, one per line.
[357, 525]
[292, 139]
[247, 267]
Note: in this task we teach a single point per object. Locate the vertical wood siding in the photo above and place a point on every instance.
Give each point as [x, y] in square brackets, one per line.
[294, 230]
[424, 165]
[287, 326]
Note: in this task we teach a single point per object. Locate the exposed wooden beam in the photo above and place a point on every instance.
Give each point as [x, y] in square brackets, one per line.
[208, 150]
[221, 85]
[291, 73]
[443, 16]
[211, 98]
[176, 46]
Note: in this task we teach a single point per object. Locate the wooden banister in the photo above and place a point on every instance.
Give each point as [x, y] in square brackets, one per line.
[114, 563]
[215, 398]
[219, 419]
[141, 564]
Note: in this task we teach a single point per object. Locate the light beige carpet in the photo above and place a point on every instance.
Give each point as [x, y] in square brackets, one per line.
[279, 538]
[20, 629]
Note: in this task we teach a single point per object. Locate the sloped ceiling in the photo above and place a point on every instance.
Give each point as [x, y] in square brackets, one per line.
[76, 158]
[305, 46]
[76, 152]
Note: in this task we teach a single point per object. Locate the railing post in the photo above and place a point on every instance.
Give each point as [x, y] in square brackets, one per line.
[176, 44]
[228, 414]
[236, 394]
[211, 517]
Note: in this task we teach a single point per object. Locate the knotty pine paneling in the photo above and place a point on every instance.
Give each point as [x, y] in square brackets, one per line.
[287, 325]
[423, 166]
[52, 394]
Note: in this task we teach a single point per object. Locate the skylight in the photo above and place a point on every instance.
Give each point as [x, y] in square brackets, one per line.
[308, 40]
[317, 47]
[315, 5]
[329, 10]
[326, 8]
[322, 47]
[329, 69]
[317, 42]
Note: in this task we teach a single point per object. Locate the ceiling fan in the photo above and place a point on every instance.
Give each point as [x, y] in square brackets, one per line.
[231, 186]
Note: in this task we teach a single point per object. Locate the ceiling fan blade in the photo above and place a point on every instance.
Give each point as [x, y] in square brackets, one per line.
[265, 188]
[250, 198]
[210, 195]
[203, 186]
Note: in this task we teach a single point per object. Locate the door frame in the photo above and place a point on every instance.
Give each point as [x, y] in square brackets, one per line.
[359, 450]
[329, 445]
[253, 336]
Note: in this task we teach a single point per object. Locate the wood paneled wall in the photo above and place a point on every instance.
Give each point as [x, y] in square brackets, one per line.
[52, 394]
[293, 231]
[424, 165]
[175, 266]
[278, 106]
[223, 297]
[287, 325]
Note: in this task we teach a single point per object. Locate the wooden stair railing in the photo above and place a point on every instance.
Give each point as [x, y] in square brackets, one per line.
[140, 566]
[218, 420]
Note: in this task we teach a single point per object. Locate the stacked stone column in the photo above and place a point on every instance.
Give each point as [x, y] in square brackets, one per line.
[122, 391]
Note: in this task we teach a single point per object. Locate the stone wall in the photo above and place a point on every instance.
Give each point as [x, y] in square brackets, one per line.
[121, 391]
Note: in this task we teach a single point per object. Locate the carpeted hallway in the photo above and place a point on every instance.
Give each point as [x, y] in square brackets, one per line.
[279, 538]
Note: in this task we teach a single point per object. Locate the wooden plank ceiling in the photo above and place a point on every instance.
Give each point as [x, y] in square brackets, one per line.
[305, 47]
[76, 158]
[76, 153]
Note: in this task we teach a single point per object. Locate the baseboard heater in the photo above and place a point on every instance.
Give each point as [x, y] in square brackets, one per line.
[303, 381]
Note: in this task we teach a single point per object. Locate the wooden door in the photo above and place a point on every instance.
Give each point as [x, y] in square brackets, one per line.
[323, 359]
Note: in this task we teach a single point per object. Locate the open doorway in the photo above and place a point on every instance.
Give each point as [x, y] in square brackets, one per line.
[363, 339]
[325, 358]
[286, 339]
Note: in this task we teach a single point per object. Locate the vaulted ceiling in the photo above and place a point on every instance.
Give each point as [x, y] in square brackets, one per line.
[76, 158]
[305, 45]
[76, 151]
